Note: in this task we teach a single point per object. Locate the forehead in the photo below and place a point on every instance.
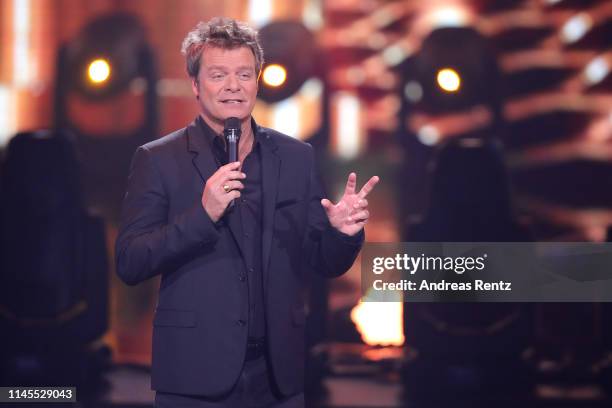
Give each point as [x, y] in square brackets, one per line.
[228, 58]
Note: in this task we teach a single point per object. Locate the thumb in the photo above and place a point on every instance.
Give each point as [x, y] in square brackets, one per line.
[326, 203]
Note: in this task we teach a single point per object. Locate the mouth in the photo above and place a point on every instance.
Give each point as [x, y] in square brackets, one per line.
[232, 101]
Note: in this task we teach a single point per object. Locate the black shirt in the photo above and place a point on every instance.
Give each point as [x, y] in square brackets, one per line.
[249, 210]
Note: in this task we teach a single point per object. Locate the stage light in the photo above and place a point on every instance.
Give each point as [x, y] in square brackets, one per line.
[413, 91]
[596, 70]
[292, 59]
[429, 135]
[394, 55]
[449, 80]
[348, 130]
[448, 17]
[107, 64]
[101, 62]
[274, 75]
[377, 322]
[576, 27]
[99, 71]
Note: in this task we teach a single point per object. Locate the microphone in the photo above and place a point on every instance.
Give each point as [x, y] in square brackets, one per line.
[231, 132]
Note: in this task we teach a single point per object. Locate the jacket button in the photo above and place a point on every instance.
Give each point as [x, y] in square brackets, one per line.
[242, 278]
[241, 323]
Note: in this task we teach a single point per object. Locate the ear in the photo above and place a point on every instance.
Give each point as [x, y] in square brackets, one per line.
[195, 88]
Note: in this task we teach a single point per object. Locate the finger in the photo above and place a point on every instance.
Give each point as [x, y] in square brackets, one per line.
[230, 166]
[362, 222]
[223, 172]
[368, 187]
[235, 175]
[360, 216]
[233, 185]
[232, 195]
[363, 203]
[326, 204]
[351, 183]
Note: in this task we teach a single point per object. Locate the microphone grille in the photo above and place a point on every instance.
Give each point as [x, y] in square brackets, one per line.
[232, 123]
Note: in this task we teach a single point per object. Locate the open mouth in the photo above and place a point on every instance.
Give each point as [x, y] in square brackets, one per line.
[232, 101]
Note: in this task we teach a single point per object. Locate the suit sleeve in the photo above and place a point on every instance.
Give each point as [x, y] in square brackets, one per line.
[331, 252]
[148, 242]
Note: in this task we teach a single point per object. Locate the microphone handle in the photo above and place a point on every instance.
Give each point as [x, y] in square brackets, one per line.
[232, 150]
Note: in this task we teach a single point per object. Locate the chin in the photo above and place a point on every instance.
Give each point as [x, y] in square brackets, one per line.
[236, 113]
[232, 110]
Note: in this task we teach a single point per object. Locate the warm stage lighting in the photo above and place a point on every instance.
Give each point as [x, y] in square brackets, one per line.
[98, 71]
[451, 16]
[449, 80]
[292, 54]
[274, 75]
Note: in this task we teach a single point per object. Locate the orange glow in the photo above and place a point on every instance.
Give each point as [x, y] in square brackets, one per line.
[443, 13]
[98, 71]
[449, 80]
[380, 323]
[274, 75]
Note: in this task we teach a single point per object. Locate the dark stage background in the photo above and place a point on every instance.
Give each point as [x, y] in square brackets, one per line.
[486, 121]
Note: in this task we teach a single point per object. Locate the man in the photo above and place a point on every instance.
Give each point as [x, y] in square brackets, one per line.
[229, 323]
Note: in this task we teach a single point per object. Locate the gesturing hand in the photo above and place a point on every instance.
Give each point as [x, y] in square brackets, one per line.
[221, 188]
[351, 213]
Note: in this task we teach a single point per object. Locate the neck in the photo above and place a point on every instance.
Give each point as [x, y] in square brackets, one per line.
[217, 126]
[246, 142]
[246, 137]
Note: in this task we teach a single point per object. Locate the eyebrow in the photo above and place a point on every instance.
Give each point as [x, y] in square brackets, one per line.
[224, 68]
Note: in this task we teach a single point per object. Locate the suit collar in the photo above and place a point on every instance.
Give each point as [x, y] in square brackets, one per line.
[196, 139]
[199, 136]
[264, 137]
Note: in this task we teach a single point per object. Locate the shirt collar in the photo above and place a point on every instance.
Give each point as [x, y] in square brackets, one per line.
[210, 134]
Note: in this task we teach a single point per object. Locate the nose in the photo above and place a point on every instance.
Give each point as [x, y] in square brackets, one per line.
[232, 83]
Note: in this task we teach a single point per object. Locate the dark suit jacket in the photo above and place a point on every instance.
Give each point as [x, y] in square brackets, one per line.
[200, 333]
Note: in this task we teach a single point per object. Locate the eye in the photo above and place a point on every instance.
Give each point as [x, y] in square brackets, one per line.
[245, 75]
[215, 76]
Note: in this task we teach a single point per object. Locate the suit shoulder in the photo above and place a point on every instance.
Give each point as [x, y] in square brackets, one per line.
[168, 142]
[286, 142]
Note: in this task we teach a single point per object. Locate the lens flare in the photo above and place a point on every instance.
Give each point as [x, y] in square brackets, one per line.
[99, 71]
[274, 75]
[449, 80]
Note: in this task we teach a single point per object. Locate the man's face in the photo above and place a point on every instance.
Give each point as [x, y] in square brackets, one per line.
[227, 84]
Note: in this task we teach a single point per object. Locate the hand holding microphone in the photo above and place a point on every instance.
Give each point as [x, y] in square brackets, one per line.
[224, 186]
[232, 132]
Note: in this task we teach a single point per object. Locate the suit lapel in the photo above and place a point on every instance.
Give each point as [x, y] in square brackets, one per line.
[205, 165]
[270, 177]
[203, 159]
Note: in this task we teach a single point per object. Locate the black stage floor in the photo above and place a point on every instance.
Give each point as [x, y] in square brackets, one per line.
[128, 387]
